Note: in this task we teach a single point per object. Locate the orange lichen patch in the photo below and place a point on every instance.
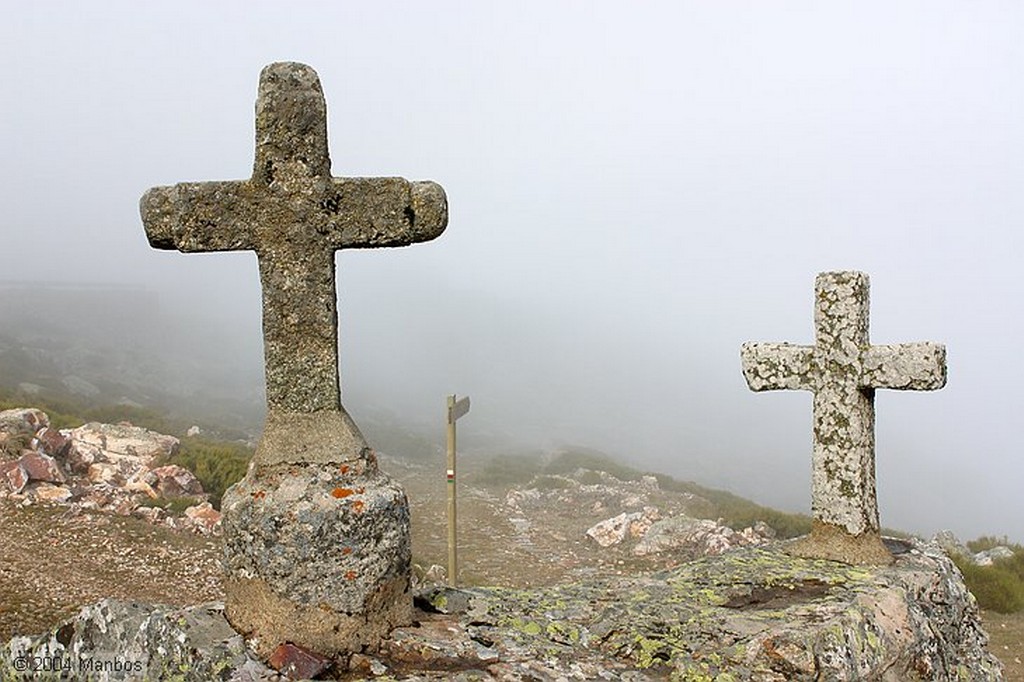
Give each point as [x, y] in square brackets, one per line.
[259, 495]
[357, 506]
[346, 551]
[344, 468]
[342, 492]
[350, 575]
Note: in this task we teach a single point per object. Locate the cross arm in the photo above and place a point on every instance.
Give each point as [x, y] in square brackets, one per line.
[774, 366]
[199, 216]
[906, 366]
[373, 212]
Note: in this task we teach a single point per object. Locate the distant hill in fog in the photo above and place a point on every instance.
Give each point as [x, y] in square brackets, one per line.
[118, 344]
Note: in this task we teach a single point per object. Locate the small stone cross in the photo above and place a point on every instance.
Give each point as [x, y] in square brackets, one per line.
[294, 215]
[843, 370]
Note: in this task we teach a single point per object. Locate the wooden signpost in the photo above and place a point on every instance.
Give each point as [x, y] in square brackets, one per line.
[456, 409]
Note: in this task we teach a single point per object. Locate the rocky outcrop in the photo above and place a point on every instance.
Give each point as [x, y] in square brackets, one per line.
[626, 525]
[114, 640]
[692, 538]
[749, 614]
[953, 547]
[106, 467]
[685, 537]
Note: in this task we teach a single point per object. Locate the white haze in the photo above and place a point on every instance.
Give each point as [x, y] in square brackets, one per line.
[635, 190]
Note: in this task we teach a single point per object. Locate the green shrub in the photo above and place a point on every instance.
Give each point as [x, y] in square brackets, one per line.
[738, 512]
[510, 470]
[216, 464]
[589, 477]
[175, 506]
[999, 587]
[547, 482]
[569, 461]
[986, 542]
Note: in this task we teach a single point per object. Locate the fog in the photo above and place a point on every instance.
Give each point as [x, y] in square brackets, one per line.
[635, 190]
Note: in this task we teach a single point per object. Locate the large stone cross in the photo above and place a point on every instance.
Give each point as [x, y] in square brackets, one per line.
[317, 545]
[294, 215]
[843, 370]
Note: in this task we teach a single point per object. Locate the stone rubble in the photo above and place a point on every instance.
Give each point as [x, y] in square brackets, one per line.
[104, 467]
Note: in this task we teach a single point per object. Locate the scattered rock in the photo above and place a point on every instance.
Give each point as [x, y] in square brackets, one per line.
[691, 538]
[52, 442]
[204, 517]
[105, 467]
[990, 556]
[174, 481]
[432, 575]
[152, 514]
[40, 467]
[297, 662]
[952, 546]
[55, 494]
[616, 529]
[117, 441]
[23, 420]
[17, 477]
[105, 473]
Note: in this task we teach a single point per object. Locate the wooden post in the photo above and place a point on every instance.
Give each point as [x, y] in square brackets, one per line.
[456, 408]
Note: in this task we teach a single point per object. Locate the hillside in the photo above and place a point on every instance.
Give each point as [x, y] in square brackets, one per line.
[52, 562]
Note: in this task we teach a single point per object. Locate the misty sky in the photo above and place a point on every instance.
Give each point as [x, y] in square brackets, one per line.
[635, 190]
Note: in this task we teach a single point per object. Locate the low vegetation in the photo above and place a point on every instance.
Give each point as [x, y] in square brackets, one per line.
[999, 587]
[217, 464]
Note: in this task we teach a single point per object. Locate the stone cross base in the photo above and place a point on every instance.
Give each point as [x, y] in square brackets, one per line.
[835, 543]
[317, 555]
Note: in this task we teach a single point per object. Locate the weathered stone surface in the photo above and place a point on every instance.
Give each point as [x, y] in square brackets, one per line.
[750, 614]
[298, 583]
[40, 467]
[843, 370]
[318, 556]
[105, 472]
[17, 477]
[295, 216]
[52, 442]
[951, 544]
[128, 641]
[990, 556]
[954, 548]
